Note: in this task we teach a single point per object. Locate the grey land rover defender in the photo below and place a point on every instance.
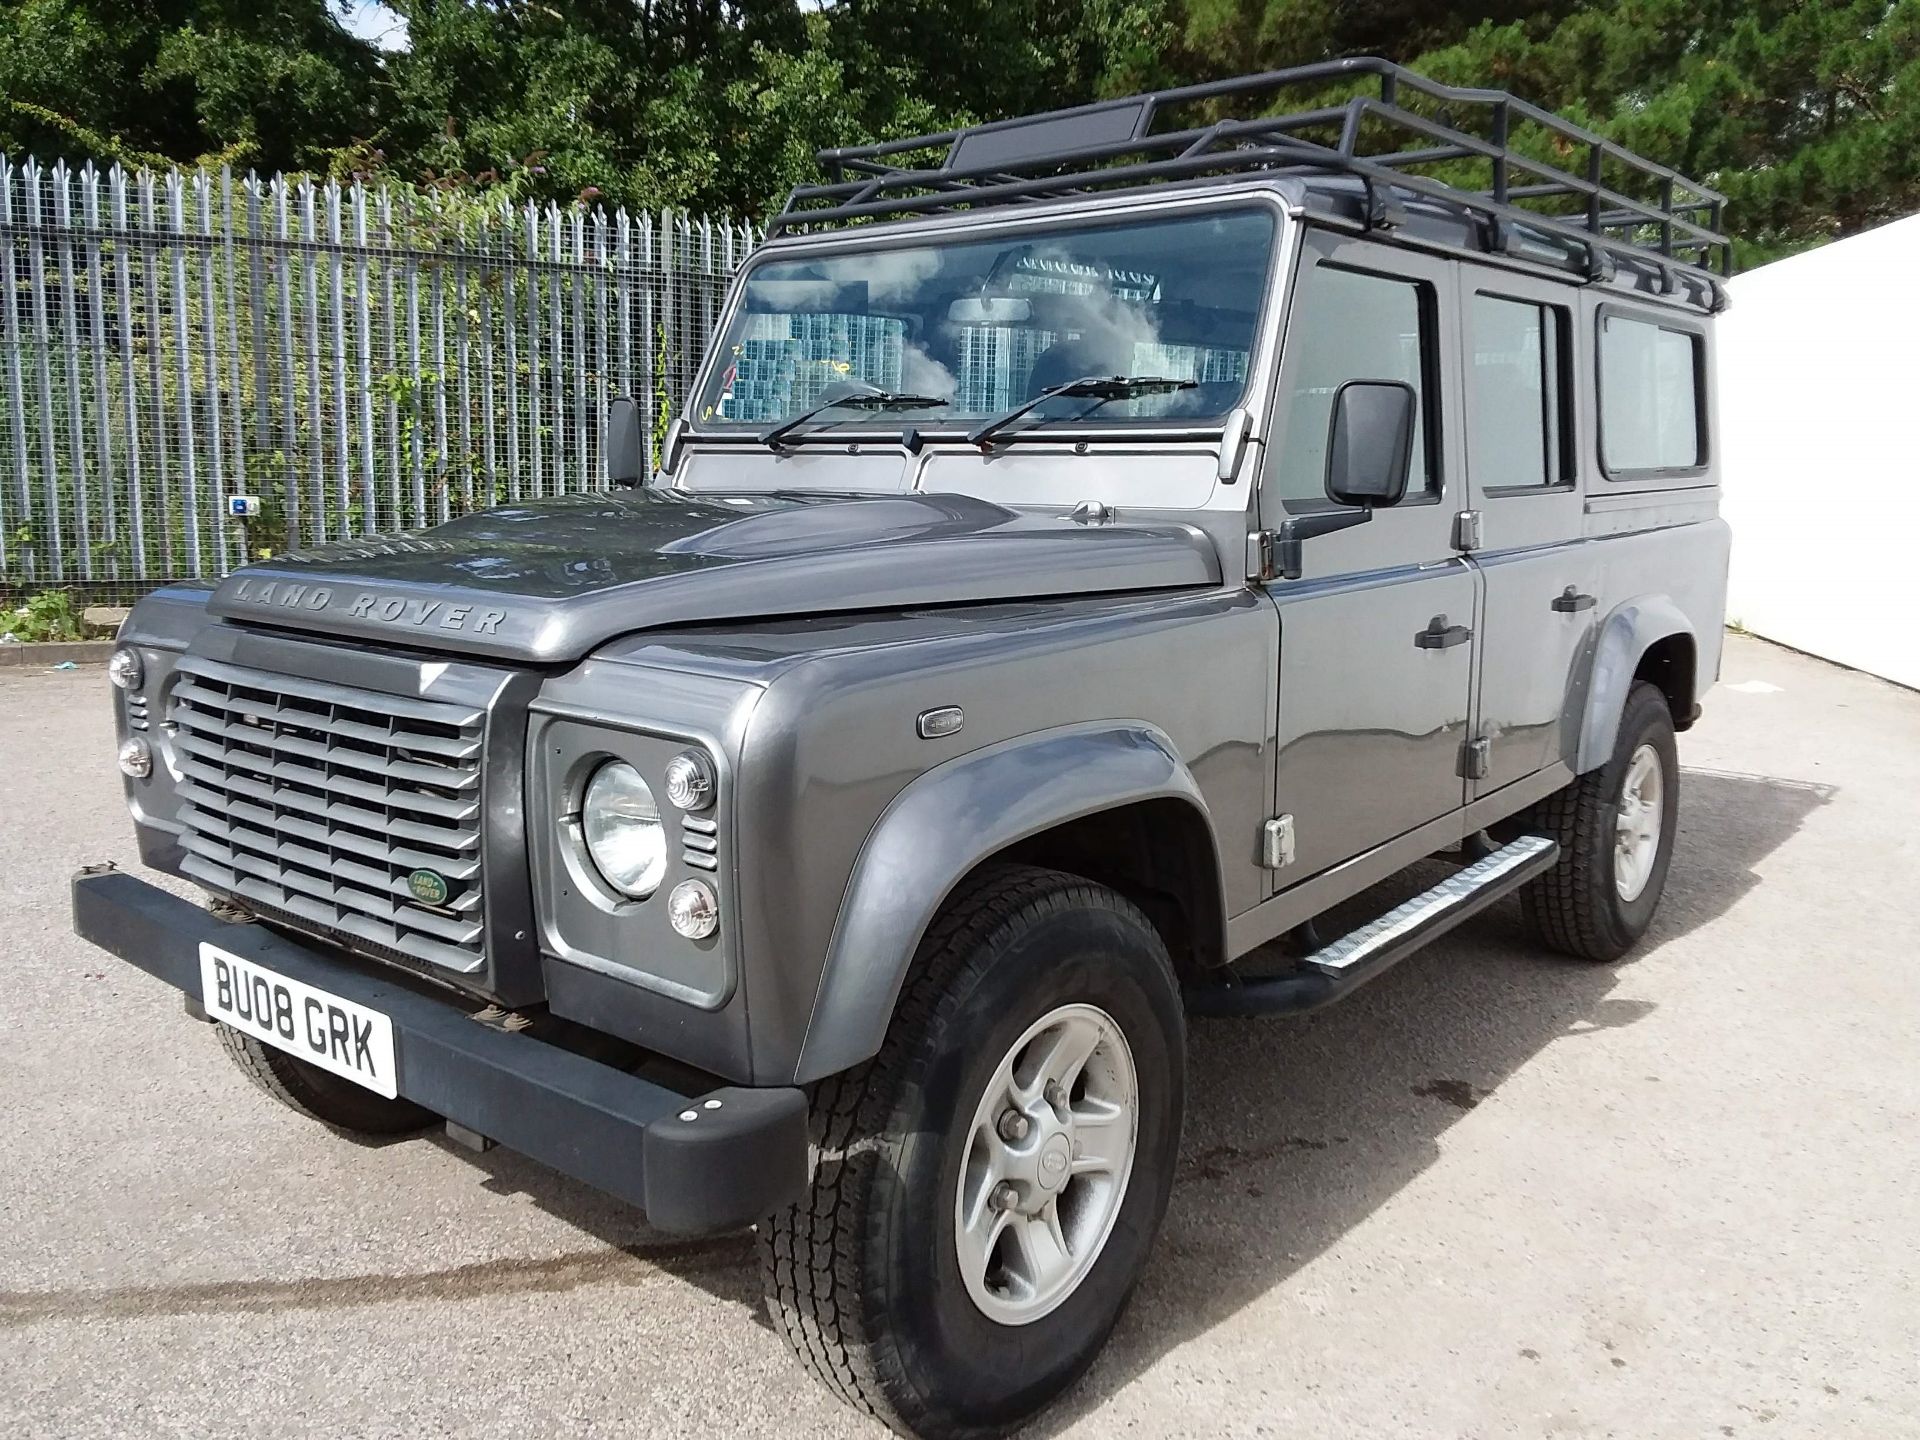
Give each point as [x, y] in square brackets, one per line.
[1097, 545]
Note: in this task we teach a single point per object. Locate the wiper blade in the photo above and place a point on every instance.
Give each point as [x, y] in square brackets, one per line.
[1099, 388]
[858, 400]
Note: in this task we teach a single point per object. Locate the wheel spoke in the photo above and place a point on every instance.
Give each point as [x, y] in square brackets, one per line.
[1040, 1248]
[1055, 1058]
[1102, 1137]
[977, 1238]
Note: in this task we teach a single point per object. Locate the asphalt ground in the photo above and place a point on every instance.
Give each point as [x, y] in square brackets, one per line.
[1493, 1194]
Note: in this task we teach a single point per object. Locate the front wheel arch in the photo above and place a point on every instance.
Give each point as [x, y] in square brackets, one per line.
[967, 813]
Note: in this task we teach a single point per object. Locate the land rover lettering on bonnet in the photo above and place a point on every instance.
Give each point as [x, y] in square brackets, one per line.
[361, 605]
[1259, 494]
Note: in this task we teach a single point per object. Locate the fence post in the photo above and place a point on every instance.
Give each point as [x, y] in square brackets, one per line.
[463, 357]
[129, 378]
[289, 459]
[183, 348]
[416, 460]
[363, 357]
[102, 392]
[337, 306]
[209, 304]
[235, 368]
[316, 376]
[12, 354]
[55, 543]
[70, 348]
[437, 296]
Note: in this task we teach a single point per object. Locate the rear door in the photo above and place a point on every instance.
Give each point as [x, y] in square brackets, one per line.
[1520, 365]
[1376, 637]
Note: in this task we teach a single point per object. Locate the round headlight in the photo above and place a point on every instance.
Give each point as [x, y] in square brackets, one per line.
[124, 668]
[694, 909]
[621, 824]
[136, 758]
[690, 781]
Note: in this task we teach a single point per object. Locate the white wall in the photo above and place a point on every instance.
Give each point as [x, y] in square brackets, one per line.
[1819, 370]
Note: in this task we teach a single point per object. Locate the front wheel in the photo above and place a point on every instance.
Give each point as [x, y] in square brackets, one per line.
[319, 1094]
[989, 1185]
[1615, 826]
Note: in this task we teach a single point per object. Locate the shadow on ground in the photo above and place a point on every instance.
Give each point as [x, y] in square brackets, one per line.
[1297, 1129]
[1270, 1174]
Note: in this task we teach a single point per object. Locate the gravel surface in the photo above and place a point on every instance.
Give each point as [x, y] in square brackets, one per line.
[1493, 1194]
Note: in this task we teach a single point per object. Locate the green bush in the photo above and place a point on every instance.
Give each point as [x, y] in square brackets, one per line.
[47, 616]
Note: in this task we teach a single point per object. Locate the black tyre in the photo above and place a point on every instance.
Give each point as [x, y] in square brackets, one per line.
[319, 1095]
[1615, 826]
[976, 1221]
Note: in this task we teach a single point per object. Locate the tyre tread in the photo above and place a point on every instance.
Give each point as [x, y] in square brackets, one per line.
[812, 1252]
[1566, 907]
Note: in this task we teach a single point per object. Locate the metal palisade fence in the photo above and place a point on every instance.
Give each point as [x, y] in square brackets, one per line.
[357, 358]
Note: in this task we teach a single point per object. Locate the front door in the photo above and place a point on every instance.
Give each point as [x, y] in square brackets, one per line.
[1518, 363]
[1377, 637]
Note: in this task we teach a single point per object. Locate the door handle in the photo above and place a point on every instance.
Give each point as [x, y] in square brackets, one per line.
[1571, 600]
[1439, 635]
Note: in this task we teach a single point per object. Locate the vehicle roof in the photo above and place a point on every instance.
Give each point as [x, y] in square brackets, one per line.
[1398, 163]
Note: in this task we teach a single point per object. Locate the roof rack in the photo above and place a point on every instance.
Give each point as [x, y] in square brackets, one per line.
[1375, 136]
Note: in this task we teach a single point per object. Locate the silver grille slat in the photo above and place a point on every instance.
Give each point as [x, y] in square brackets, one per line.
[319, 801]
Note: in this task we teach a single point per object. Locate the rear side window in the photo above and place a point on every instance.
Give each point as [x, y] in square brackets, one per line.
[1520, 412]
[1650, 411]
[1352, 326]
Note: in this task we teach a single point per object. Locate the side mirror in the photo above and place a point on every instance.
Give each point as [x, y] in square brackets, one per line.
[622, 445]
[1370, 447]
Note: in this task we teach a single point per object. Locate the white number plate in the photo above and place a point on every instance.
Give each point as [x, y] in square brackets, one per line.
[337, 1035]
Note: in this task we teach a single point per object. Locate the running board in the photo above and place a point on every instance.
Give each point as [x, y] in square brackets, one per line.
[1352, 960]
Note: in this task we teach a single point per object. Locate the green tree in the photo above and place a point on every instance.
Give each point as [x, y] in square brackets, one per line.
[1806, 112]
[279, 86]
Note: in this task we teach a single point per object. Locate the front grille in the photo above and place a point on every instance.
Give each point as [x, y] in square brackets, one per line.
[321, 803]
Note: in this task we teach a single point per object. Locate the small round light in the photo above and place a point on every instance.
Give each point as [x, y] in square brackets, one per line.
[136, 758]
[125, 670]
[620, 823]
[690, 781]
[694, 909]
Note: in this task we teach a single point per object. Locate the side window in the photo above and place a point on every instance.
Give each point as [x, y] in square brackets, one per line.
[1352, 326]
[1649, 397]
[1519, 407]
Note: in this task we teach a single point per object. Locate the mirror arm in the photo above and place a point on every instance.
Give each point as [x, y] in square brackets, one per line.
[1298, 528]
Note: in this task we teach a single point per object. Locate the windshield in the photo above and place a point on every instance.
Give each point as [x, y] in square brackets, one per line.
[985, 325]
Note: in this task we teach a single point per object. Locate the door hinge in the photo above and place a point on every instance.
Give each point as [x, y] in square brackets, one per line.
[1473, 759]
[1276, 842]
[1466, 530]
[1260, 556]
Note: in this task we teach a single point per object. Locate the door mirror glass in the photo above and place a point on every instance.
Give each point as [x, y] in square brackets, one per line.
[626, 455]
[1370, 445]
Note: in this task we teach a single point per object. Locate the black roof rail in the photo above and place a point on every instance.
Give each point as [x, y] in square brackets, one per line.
[1574, 197]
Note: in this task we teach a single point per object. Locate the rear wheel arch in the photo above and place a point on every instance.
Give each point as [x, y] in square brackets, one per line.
[1671, 664]
[1645, 639]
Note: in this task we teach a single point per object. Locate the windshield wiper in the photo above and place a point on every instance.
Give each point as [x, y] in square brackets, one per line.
[1099, 388]
[858, 400]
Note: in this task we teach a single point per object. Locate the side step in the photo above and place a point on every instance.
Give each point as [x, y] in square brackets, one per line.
[1352, 960]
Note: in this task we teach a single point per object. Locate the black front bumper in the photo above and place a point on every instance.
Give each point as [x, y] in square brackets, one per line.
[731, 1164]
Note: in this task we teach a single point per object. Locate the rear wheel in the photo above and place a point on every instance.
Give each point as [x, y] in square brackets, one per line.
[1615, 826]
[318, 1094]
[989, 1185]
